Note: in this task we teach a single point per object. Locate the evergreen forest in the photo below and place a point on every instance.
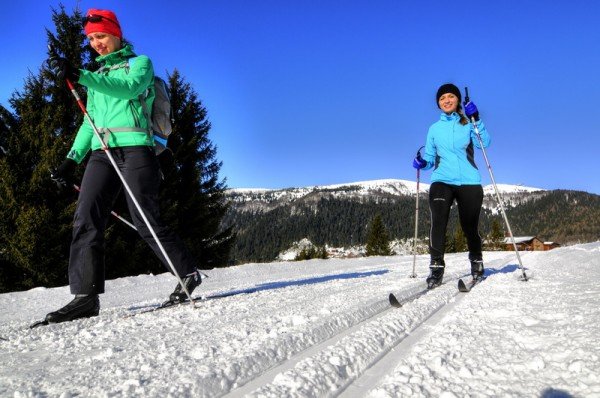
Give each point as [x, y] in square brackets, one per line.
[265, 229]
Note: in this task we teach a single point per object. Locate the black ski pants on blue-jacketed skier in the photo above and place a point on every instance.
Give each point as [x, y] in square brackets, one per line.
[99, 190]
[469, 199]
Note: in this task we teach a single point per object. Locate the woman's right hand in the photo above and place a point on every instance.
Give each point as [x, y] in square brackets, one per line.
[63, 69]
[63, 174]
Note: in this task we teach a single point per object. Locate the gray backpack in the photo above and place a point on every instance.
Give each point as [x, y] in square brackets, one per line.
[160, 120]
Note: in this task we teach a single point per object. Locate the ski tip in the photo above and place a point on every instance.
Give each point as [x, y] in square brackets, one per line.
[462, 287]
[38, 324]
[394, 301]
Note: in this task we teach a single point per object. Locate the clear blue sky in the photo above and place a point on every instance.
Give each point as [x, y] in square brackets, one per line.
[320, 92]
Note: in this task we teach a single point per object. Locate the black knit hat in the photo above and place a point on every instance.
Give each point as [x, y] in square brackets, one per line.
[447, 88]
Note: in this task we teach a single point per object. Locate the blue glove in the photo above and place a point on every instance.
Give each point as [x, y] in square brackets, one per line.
[471, 111]
[419, 162]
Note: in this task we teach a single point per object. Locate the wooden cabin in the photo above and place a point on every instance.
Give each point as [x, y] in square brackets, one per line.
[525, 243]
[551, 245]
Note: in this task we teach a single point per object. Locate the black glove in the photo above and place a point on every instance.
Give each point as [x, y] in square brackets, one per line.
[63, 174]
[63, 68]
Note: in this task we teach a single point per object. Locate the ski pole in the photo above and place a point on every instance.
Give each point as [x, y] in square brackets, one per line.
[78, 189]
[125, 184]
[414, 274]
[498, 197]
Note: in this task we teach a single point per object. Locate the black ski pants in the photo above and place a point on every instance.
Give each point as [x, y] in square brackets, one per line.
[469, 199]
[99, 190]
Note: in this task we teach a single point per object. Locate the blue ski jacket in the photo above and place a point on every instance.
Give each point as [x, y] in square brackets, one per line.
[450, 150]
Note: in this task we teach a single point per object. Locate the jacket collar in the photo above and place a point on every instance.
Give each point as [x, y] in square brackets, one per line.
[447, 118]
[116, 57]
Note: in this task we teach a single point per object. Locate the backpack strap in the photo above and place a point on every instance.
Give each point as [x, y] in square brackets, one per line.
[124, 64]
[142, 98]
[106, 69]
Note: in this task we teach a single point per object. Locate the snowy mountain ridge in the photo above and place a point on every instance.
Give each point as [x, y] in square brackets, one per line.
[393, 186]
[263, 199]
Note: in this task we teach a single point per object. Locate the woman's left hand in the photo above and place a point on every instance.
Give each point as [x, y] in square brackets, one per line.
[471, 111]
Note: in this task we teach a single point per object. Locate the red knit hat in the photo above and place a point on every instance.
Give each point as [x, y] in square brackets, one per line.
[104, 21]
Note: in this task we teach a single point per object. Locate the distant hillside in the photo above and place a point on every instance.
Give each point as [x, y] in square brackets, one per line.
[269, 221]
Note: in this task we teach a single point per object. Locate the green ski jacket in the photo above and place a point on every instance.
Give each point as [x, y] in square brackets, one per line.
[113, 103]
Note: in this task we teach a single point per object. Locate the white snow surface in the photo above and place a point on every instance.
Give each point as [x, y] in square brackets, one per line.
[321, 328]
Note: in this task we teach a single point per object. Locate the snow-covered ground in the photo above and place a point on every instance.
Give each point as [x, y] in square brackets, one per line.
[321, 328]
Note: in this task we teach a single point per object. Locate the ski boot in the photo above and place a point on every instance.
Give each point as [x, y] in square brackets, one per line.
[436, 274]
[82, 306]
[191, 281]
[477, 270]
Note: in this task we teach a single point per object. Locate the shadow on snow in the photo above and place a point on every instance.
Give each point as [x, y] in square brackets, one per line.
[283, 284]
[299, 282]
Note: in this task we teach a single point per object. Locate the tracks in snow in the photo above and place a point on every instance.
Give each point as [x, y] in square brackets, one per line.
[351, 361]
[340, 362]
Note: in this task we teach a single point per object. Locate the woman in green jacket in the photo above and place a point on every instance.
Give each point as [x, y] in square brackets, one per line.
[114, 104]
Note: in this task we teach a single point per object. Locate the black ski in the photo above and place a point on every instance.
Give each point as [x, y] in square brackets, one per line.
[169, 304]
[394, 302]
[38, 324]
[466, 287]
[165, 305]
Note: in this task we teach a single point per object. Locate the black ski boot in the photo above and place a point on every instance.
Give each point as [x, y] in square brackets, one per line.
[81, 307]
[436, 274]
[191, 281]
[477, 270]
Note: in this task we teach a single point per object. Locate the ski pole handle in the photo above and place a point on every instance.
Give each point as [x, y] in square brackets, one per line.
[419, 151]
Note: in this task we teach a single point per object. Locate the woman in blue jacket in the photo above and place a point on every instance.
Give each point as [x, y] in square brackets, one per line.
[449, 150]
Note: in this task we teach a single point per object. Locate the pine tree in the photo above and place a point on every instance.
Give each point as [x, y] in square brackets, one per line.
[496, 235]
[378, 242]
[35, 217]
[193, 196]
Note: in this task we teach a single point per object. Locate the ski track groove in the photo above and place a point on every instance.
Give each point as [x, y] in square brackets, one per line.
[383, 358]
[385, 363]
[382, 307]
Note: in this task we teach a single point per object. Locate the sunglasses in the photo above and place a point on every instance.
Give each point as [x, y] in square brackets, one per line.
[95, 18]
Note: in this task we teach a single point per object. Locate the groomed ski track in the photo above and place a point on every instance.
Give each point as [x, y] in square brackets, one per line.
[346, 341]
[381, 334]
